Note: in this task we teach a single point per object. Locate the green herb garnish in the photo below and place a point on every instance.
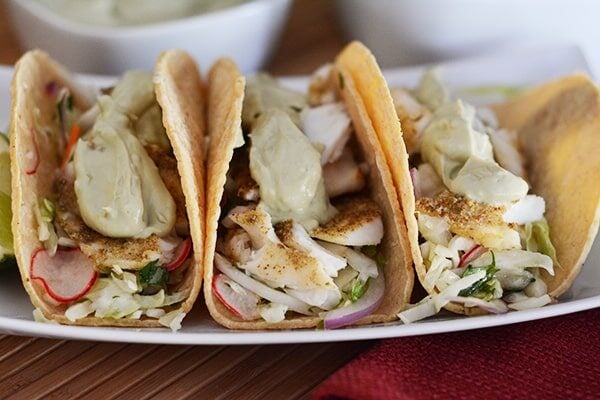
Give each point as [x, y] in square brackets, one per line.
[483, 288]
[152, 278]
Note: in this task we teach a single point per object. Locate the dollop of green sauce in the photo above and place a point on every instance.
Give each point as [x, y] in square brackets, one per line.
[119, 190]
[463, 157]
[263, 93]
[288, 170]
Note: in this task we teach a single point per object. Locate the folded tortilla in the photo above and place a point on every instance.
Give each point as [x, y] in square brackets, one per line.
[225, 98]
[178, 95]
[558, 126]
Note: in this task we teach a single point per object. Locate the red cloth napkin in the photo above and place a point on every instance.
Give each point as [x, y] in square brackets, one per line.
[556, 358]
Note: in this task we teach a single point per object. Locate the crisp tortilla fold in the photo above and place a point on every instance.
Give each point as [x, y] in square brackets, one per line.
[559, 129]
[226, 92]
[558, 126]
[31, 108]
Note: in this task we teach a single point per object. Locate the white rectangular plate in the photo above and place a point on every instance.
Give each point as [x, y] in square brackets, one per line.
[517, 67]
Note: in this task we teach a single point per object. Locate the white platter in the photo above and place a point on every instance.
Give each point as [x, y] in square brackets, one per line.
[524, 66]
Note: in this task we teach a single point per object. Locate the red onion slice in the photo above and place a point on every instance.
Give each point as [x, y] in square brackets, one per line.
[366, 305]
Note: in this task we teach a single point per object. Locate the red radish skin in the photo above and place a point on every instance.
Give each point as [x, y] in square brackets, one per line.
[33, 162]
[181, 254]
[67, 276]
[249, 314]
[471, 255]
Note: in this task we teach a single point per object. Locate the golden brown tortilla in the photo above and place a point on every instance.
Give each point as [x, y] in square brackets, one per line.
[357, 61]
[559, 129]
[226, 91]
[31, 109]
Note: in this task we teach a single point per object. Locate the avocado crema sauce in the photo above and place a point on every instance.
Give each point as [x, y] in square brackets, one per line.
[298, 235]
[483, 237]
[118, 209]
[133, 12]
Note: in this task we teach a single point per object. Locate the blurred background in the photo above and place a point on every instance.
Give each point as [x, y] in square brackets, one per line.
[287, 36]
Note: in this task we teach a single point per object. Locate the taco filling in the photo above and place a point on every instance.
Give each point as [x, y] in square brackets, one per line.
[483, 237]
[298, 234]
[115, 233]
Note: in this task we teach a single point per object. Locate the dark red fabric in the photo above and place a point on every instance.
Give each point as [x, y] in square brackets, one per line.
[556, 358]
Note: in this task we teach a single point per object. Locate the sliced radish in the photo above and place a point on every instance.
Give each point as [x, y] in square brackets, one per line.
[238, 300]
[32, 157]
[473, 254]
[181, 254]
[66, 276]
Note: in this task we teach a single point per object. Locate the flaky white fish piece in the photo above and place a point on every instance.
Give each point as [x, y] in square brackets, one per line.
[358, 223]
[282, 267]
[343, 176]
[257, 223]
[328, 125]
[481, 222]
[293, 235]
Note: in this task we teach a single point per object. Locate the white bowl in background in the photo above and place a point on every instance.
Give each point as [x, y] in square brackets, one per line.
[408, 32]
[247, 33]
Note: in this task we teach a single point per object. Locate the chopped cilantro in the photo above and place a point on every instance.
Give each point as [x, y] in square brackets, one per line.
[153, 278]
[485, 287]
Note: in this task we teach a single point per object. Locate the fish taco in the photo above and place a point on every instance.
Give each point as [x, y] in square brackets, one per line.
[506, 197]
[304, 227]
[107, 195]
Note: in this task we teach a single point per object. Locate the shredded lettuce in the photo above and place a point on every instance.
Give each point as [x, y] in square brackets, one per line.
[44, 215]
[272, 312]
[172, 319]
[120, 296]
[540, 232]
[358, 290]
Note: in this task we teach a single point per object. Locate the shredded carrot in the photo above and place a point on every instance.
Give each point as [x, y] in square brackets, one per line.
[75, 131]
